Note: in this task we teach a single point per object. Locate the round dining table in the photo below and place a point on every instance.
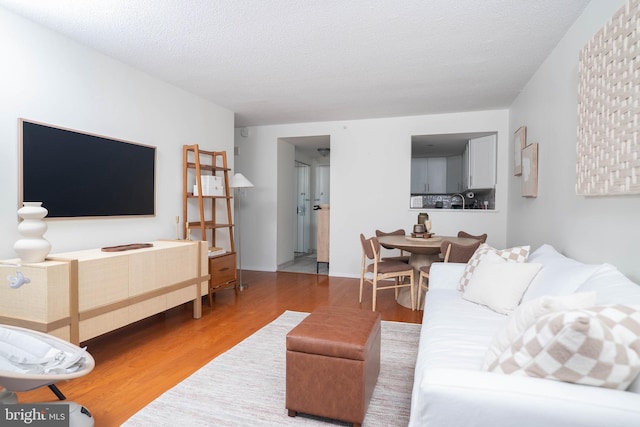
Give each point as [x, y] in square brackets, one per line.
[423, 252]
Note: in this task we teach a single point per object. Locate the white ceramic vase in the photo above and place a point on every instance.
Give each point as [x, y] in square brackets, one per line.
[32, 247]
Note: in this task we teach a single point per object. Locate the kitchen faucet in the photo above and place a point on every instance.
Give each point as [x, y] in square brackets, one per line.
[461, 196]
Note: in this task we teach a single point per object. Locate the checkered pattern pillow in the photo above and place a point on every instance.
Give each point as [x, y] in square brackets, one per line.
[599, 346]
[515, 254]
[527, 314]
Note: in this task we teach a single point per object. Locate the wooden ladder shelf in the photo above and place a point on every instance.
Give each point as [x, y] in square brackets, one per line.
[221, 268]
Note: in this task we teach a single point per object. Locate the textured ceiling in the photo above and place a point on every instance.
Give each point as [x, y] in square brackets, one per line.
[290, 61]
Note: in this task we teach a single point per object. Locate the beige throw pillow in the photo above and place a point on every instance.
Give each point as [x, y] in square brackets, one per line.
[527, 314]
[599, 346]
[499, 284]
[515, 254]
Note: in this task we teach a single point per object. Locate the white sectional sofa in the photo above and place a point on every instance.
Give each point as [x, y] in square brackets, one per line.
[451, 388]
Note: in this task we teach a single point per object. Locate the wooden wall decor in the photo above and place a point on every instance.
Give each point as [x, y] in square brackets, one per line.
[519, 142]
[530, 170]
[608, 143]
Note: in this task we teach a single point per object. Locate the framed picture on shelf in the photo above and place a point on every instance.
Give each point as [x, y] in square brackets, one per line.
[530, 170]
[519, 142]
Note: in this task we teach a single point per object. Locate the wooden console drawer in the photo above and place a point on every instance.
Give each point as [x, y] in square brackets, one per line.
[222, 269]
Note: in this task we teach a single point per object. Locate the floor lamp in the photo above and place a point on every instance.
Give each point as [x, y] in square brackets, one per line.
[238, 182]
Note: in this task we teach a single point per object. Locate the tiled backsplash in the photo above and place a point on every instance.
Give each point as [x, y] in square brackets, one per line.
[432, 201]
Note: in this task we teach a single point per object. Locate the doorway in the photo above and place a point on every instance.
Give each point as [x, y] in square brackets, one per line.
[303, 209]
[310, 176]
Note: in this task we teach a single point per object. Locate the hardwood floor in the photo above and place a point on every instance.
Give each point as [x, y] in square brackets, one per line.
[136, 364]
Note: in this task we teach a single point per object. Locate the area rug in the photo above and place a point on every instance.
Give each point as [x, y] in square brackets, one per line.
[245, 386]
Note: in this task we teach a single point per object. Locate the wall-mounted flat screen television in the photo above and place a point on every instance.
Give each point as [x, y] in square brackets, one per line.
[76, 174]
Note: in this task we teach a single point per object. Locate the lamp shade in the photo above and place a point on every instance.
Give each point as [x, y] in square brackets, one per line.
[239, 181]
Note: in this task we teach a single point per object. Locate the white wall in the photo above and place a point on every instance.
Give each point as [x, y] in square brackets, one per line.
[370, 182]
[593, 229]
[287, 200]
[48, 78]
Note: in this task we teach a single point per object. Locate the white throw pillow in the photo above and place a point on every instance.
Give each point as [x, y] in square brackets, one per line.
[499, 284]
[560, 275]
[515, 254]
[611, 286]
[527, 314]
[599, 346]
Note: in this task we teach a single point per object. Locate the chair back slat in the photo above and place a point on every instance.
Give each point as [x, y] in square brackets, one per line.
[369, 248]
[398, 232]
[455, 252]
[445, 250]
[481, 237]
[375, 245]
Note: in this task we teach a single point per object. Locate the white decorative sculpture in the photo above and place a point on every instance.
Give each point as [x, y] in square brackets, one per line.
[32, 247]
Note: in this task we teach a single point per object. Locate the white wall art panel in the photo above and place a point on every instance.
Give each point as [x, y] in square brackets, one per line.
[608, 147]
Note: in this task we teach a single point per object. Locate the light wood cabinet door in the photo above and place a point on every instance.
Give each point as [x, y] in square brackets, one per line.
[323, 235]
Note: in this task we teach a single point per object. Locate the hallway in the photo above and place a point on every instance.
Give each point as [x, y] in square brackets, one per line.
[305, 263]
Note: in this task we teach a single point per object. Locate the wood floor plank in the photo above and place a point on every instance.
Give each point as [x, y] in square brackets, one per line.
[136, 364]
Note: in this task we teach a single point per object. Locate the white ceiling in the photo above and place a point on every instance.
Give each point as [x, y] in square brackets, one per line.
[291, 61]
[442, 145]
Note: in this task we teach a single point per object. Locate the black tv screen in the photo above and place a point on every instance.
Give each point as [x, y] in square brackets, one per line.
[76, 174]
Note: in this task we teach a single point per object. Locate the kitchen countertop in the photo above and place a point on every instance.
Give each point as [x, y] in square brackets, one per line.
[450, 210]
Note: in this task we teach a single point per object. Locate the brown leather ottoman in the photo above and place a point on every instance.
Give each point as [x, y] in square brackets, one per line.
[333, 361]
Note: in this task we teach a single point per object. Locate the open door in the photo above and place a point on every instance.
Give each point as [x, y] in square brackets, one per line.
[303, 209]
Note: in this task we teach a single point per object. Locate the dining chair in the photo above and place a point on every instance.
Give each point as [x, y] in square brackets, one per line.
[481, 237]
[375, 270]
[398, 232]
[452, 252]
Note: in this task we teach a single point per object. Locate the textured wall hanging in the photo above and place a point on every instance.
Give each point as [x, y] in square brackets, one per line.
[608, 146]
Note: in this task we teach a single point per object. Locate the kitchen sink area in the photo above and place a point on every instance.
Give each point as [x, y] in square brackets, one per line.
[453, 171]
[476, 200]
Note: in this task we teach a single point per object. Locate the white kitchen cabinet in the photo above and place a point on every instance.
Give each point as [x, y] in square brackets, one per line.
[437, 175]
[454, 174]
[428, 175]
[418, 175]
[479, 163]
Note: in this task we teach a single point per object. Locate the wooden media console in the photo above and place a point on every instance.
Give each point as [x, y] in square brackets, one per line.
[80, 295]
